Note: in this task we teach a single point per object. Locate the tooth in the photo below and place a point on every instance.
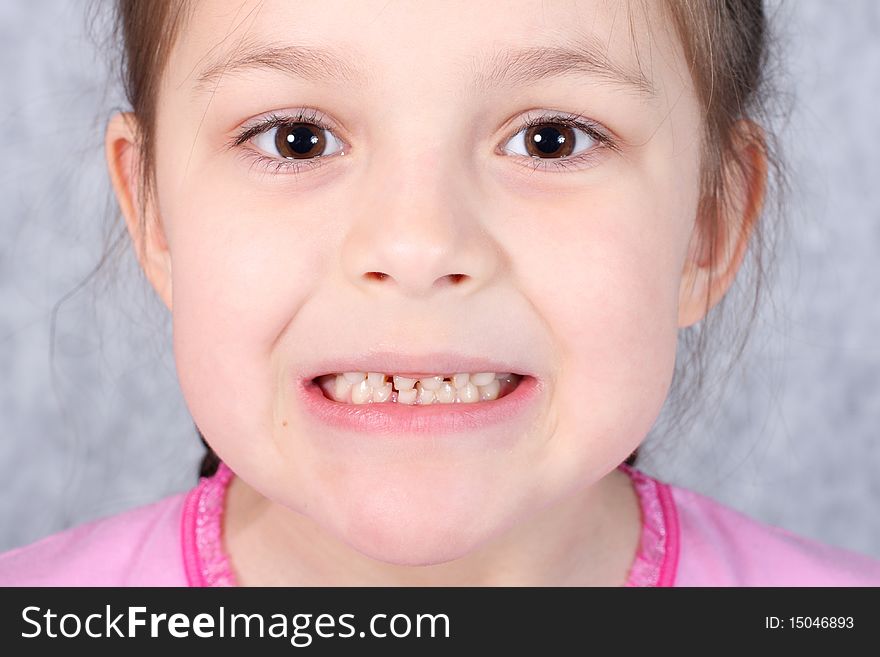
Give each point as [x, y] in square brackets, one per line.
[489, 392]
[432, 383]
[328, 384]
[382, 394]
[469, 394]
[425, 396]
[446, 393]
[402, 383]
[365, 387]
[407, 396]
[482, 378]
[361, 393]
[341, 388]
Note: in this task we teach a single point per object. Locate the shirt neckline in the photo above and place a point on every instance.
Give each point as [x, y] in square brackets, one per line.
[204, 559]
[206, 563]
[656, 561]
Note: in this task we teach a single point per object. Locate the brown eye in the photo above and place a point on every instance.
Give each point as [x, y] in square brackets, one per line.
[549, 140]
[300, 141]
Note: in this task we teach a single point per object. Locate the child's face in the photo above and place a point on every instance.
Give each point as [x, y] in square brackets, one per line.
[571, 274]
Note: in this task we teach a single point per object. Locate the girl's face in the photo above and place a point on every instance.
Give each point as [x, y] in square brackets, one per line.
[438, 234]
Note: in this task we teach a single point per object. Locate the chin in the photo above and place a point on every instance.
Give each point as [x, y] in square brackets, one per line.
[415, 527]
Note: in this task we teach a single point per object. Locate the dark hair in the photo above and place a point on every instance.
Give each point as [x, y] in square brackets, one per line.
[726, 44]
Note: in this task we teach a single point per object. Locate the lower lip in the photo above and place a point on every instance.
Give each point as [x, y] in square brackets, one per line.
[394, 418]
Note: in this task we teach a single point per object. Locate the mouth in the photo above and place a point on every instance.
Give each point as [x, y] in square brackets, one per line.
[432, 394]
[416, 389]
[517, 400]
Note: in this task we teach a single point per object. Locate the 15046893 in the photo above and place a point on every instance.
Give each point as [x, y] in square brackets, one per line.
[809, 622]
[821, 622]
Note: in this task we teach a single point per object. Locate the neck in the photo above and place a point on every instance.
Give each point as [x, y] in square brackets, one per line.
[587, 539]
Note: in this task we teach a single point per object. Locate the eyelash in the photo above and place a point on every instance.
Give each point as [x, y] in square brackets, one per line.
[314, 117]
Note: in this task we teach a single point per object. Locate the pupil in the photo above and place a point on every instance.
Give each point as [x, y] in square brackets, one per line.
[299, 140]
[550, 139]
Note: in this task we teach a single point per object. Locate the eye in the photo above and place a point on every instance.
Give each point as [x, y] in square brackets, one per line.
[288, 142]
[559, 141]
[549, 140]
[296, 141]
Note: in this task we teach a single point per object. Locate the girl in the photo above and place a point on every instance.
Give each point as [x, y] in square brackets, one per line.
[427, 266]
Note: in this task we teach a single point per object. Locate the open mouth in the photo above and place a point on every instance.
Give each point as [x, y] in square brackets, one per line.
[416, 390]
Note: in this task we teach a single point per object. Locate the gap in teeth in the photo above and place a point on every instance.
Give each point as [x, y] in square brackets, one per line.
[377, 387]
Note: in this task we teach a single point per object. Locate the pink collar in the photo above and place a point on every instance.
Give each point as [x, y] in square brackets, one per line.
[656, 561]
[206, 563]
[204, 558]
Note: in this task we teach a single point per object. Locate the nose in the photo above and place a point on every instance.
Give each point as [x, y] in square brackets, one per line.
[419, 231]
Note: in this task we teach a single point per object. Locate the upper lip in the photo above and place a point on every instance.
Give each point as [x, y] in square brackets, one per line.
[403, 364]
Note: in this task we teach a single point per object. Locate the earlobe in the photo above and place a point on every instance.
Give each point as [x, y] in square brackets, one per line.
[713, 260]
[123, 154]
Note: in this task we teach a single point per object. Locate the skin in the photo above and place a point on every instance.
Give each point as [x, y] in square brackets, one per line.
[263, 271]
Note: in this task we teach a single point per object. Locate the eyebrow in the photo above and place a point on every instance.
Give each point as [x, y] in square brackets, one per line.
[516, 66]
[530, 64]
[309, 63]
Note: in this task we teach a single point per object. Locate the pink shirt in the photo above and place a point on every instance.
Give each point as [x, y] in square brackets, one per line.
[687, 540]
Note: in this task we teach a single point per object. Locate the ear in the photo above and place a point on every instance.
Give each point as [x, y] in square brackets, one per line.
[123, 151]
[707, 276]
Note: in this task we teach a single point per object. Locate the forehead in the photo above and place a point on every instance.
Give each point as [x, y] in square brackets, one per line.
[472, 45]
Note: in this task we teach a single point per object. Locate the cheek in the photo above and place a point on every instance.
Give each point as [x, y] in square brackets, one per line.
[242, 268]
[604, 272]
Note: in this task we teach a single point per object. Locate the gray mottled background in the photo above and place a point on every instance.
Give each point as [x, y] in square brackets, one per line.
[91, 417]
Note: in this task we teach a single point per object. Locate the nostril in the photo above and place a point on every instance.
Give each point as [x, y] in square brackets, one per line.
[375, 275]
[456, 278]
